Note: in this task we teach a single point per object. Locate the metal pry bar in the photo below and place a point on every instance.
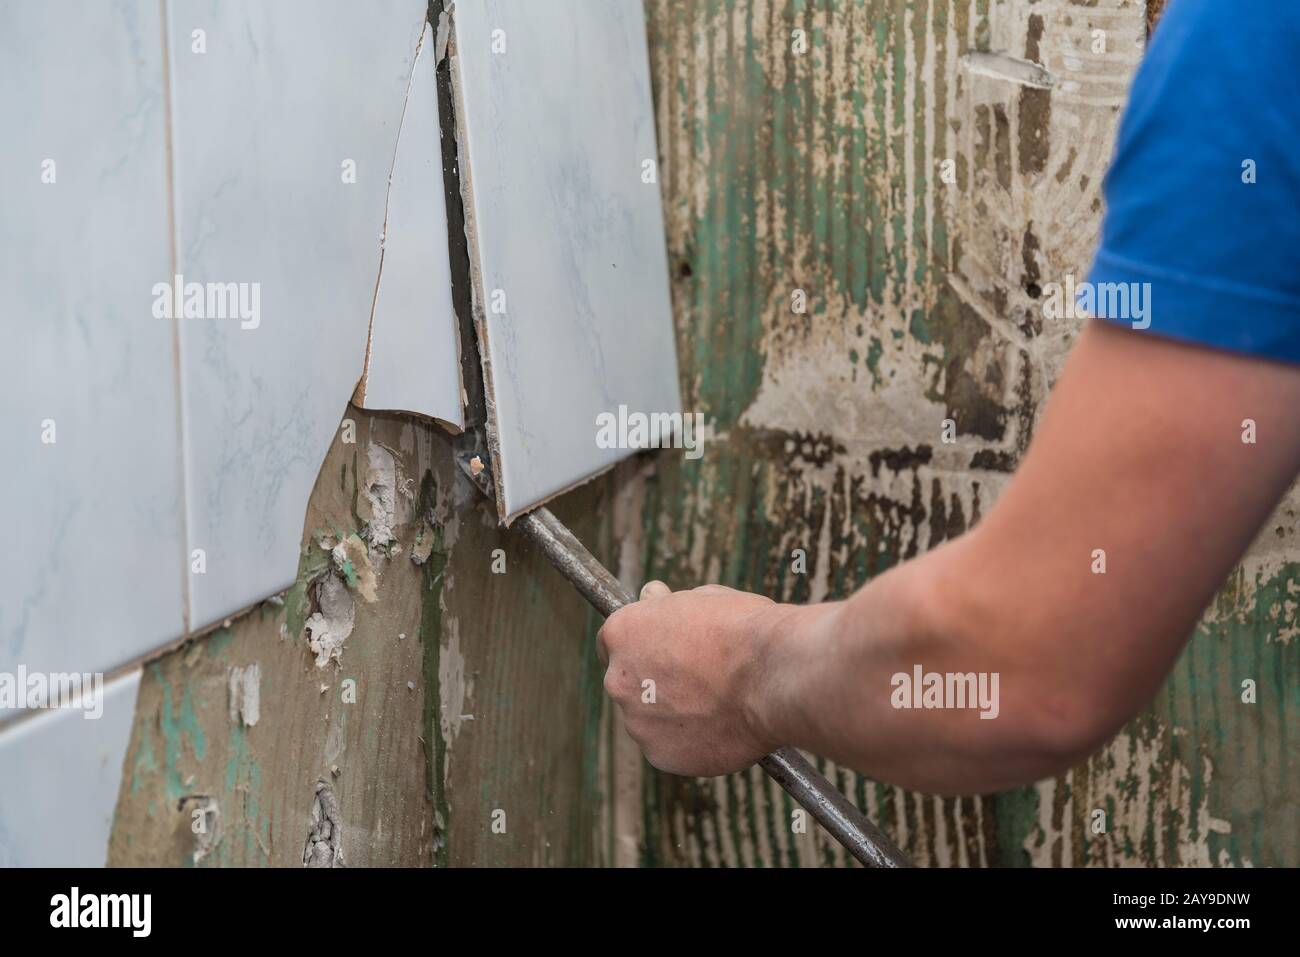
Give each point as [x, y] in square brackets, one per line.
[790, 769]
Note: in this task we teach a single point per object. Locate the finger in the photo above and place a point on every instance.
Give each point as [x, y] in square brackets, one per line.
[602, 648]
[654, 589]
[713, 590]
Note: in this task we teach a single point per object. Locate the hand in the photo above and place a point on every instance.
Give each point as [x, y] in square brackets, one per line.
[685, 669]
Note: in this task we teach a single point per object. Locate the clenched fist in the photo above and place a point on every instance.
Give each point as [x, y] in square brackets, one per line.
[689, 671]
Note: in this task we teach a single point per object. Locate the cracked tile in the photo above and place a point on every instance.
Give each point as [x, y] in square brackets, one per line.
[413, 358]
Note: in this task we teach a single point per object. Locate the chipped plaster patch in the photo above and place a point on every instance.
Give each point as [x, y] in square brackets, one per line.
[329, 628]
[324, 846]
[380, 490]
[1002, 66]
[245, 694]
[207, 835]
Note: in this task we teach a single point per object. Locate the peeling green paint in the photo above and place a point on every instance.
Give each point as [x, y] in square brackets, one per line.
[180, 730]
[821, 172]
[430, 636]
[145, 762]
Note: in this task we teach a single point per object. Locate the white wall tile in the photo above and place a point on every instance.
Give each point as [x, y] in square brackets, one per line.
[558, 127]
[285, 93]
[59, 777]
[413, 362]
[93, 573]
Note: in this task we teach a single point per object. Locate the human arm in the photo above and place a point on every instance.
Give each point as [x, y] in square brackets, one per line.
[1139, 453]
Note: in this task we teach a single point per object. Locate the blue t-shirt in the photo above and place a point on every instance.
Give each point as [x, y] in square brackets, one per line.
[1203, 197]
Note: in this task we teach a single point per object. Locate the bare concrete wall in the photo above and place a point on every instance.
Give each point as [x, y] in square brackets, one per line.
[458, 724]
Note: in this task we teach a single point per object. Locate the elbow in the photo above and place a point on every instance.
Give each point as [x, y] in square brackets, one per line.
[1069, 709]
[1062, 724]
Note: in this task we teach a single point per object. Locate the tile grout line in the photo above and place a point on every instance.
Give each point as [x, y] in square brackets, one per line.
[17, 717]
[182, 452]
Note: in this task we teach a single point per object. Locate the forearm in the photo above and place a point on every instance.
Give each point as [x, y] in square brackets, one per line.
[1078, 588]
[1075, 593]
[840, 679]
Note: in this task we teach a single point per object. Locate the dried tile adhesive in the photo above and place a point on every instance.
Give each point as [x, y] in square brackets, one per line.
[329, 628]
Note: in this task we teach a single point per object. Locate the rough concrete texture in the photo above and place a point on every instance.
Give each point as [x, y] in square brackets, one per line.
[820, 176]
[456, 692]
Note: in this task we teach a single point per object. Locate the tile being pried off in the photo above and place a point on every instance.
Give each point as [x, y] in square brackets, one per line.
[569, 269]
[413, 354]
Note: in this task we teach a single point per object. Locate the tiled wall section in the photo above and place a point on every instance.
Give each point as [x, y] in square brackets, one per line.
[263, 198]
[239, 143]
[190, 251]
[92, 474]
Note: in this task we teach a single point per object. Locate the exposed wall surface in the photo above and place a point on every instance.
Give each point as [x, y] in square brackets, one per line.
[464, 691]
[822, 171]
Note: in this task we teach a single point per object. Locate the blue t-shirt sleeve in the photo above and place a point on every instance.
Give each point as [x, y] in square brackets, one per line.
[1215, 105]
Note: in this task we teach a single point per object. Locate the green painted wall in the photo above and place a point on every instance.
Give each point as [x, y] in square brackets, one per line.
[804, 148]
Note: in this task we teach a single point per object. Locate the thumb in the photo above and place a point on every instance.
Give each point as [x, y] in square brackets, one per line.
[654, 589]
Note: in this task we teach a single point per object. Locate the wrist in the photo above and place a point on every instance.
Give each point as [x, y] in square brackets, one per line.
[786, 641]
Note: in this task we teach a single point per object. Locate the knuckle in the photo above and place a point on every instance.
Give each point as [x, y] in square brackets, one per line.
[611, 683]
[614, 629]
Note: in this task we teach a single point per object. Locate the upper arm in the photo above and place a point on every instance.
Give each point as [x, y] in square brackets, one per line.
[1136, 497]
[1202, 222]
[1139, 459]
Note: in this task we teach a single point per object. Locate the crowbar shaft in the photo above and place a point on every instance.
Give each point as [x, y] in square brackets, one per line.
[790, 769]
